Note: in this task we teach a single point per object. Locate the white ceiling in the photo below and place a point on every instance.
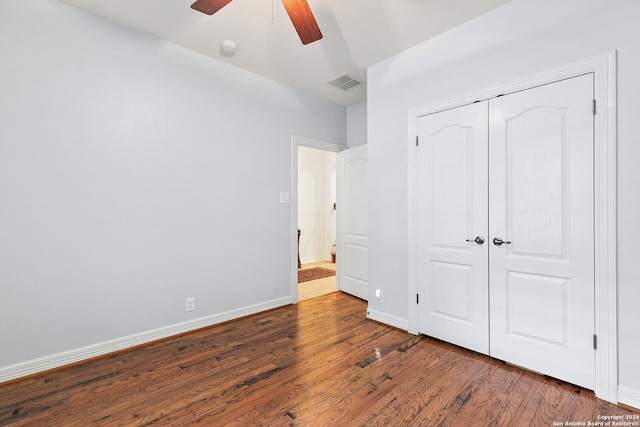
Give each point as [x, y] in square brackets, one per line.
[357, 33]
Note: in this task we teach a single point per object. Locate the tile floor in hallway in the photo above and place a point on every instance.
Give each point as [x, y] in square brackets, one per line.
[316, 288]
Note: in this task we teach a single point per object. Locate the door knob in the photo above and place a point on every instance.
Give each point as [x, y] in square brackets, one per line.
[499, 242]
[479, 240]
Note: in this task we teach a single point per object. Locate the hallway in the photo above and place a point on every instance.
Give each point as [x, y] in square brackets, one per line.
[318, 287]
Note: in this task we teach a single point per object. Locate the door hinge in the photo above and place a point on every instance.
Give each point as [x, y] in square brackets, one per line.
[417, 298]
[416, 140]
[593, 107]
[595, 342]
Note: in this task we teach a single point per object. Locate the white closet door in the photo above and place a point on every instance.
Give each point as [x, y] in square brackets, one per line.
[450, 212]
[353, 234]
[541, 205]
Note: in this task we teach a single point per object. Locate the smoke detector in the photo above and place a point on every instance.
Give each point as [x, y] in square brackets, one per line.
[228, 48]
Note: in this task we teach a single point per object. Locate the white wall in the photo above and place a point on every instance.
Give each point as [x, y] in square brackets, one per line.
[316, 196]
[357, 124]
[134, 174]
[518, 39]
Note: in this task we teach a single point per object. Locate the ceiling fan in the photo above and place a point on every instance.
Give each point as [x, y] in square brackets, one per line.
[298, 10]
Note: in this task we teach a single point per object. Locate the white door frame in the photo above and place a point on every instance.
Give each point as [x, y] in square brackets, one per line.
[297, 140]
[604, 69]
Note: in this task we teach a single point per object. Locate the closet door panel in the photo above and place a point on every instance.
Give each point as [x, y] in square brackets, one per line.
[450, 212]
[541, 206]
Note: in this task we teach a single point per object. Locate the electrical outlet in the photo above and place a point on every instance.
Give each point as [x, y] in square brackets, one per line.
[379, 295]
[191, 304]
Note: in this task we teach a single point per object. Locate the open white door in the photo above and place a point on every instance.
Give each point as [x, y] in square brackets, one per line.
[352, 238]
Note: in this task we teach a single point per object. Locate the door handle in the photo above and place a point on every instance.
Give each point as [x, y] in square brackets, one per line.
[499, 242]
[479, 240]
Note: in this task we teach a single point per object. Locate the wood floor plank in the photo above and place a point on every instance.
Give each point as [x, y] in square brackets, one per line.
[488, 399]
[319, 369]
[425, 394]
[318, 363]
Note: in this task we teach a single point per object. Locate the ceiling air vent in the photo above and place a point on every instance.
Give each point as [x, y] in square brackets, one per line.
[344, 82]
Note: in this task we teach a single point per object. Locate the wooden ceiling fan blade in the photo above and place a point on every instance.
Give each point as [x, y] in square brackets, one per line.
[303, 20]
[209, 6]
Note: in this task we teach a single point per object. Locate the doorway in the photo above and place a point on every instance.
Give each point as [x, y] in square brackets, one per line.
[317, 199]
[300, 258]
[350, 212]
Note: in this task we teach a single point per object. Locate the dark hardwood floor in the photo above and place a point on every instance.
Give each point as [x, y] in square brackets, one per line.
[315, 364]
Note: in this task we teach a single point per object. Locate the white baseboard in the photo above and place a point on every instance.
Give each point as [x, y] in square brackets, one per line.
[34, 366]
[629, 397]
[387, 319]
[309, 259]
